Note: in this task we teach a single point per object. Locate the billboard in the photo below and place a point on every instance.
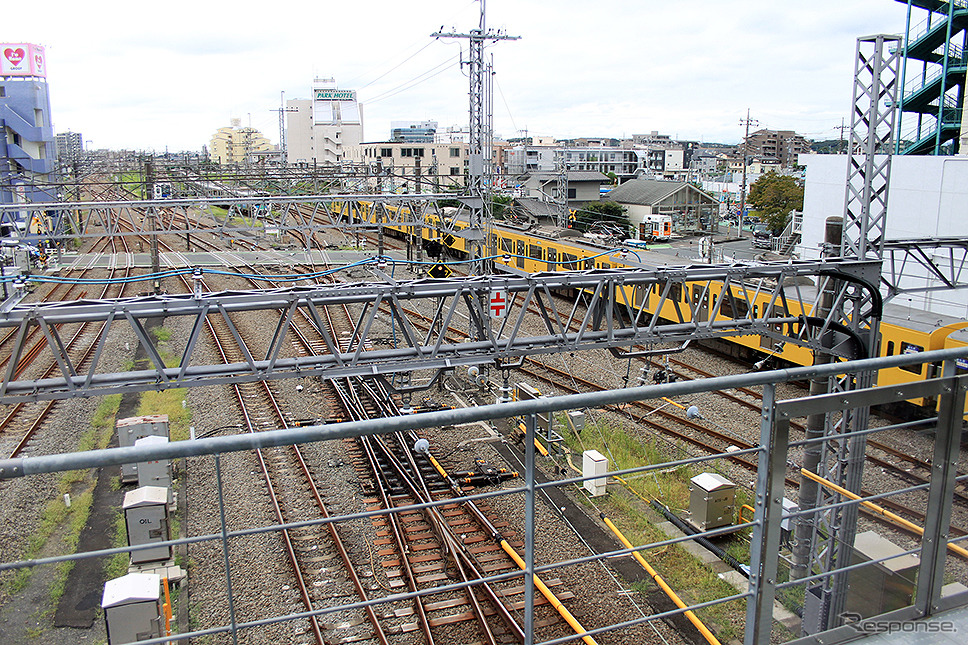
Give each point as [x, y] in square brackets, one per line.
[329, 94]
[22, 59]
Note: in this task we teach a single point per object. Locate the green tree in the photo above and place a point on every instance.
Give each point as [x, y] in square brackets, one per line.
[499, 205]
[774, 196]
[610, 215]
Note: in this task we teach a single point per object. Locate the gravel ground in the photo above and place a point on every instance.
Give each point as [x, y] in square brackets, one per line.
[260, 575]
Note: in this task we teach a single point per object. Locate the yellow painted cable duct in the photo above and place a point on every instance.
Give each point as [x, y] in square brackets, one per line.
[708, 635]
[897, 519]
[541, 586]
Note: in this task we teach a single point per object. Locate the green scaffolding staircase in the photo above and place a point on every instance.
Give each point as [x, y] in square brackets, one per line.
[933, 77]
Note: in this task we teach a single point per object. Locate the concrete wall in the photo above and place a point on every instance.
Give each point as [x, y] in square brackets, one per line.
[928, 197]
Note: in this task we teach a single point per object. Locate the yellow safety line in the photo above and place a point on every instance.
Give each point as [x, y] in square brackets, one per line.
[897, 519]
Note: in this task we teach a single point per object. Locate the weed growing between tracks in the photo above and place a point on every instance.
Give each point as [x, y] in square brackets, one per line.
[627, 506]
[61, 525]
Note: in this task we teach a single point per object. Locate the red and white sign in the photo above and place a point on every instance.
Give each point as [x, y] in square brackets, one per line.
[22, 59]
[498, 303]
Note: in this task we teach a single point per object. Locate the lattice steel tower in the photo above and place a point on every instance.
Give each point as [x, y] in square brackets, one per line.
[480, 144]
[825, 540]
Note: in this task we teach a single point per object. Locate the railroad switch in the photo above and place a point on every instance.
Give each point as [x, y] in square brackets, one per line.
[484, 474]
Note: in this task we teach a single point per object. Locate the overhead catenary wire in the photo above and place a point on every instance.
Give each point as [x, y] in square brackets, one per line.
[415, 81]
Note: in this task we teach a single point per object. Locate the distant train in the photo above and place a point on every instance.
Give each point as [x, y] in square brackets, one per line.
[903, 330]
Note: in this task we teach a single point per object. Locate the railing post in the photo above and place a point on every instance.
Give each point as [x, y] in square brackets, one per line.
[765, 542]
[225, 548]
[530, 423]
[944, 462]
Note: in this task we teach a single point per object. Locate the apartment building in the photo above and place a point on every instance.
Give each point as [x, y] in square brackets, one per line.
[237, 145]
[783, 145]
[407, 165]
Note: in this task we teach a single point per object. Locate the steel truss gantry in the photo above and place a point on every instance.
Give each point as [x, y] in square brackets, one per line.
[617, 305]
[245, 216]
[943, 262]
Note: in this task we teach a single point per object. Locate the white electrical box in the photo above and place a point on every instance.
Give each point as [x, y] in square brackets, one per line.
[134, 428]
[712, 500]
[577, 418]
[132, 608]
[146, 520]
[594, 463]
[154, 473]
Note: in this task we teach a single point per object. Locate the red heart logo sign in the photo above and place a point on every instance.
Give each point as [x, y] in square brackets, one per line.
[15, 56]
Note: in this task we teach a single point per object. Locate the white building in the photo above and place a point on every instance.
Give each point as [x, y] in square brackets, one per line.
[320, 129]
[928, 197]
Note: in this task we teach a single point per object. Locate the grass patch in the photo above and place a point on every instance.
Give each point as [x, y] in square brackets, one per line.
[628, 508]
[117, 564]
[57, 516]
[161, 334]
[168, 402]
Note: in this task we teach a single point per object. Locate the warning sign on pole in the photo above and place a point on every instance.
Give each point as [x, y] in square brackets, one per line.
[499, 303]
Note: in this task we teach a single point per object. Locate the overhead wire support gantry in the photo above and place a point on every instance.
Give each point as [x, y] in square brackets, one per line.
[480, 137]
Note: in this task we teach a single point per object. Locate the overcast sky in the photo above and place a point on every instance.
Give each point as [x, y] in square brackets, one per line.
[168, 75]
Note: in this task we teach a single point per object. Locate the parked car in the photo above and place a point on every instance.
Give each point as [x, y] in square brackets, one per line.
[762, 238]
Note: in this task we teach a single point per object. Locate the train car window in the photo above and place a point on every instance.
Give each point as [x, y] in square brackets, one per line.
[726, 306]
[911, 348]
[890, 348]
[641, 297]
[589, 263]
[702, 302]
[675, 292]
[606, 265]
[507, 245]
[742, 308]
[534, 251]
[553, 259]
[570, 261]
[777, 312]
[522, 253]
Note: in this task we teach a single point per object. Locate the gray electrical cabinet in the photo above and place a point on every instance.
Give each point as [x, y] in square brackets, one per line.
[132, 608]
[884, 586]
[134, 428]
[154, 473]
[712, 501]
[146, 520]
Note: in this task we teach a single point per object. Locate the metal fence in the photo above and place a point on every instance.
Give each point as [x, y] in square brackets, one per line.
[767, 583]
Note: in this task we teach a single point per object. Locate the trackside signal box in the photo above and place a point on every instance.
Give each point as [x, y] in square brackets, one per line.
[134, 428]
[132, 608]
[146, 521]
[712, 501]
[154, 473]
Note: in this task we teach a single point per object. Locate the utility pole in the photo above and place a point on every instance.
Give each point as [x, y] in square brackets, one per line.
[282, 110]
[843, 128]
[152, 224]
[479, 149]
[742, 190]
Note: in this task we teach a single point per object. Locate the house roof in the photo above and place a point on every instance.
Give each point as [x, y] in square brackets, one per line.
[586, 175]
[644, 191]
[573, 176]
[535, 207]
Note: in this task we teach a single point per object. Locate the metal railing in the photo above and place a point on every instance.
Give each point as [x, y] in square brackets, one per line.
[774, 454]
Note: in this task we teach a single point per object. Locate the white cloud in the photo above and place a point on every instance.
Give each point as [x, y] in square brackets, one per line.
[134, 77]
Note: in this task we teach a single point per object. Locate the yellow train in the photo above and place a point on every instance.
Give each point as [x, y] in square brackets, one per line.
[903, 330]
